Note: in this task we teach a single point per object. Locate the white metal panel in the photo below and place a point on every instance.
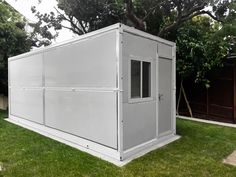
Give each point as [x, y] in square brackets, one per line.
[26, 71]
[93, 148]
[27, 104]
[143, 34]
[139, 123]
[165, 97]
[164, 50]
[144, 50]
[70, 41]
[87, 63]
[125, 76]
[139, 117]
[88, 114]
[136, 46]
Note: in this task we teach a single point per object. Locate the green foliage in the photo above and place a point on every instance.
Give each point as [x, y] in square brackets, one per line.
[13, 40]
[91, 15]
[203, 43]
[83, 15]
[199, 50]
[228, 28]
[163, 17]
[159, 17]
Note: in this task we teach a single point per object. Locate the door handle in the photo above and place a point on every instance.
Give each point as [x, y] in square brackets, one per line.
[160, 97]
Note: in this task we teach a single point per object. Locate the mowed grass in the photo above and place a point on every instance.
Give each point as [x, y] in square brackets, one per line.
[199, 152]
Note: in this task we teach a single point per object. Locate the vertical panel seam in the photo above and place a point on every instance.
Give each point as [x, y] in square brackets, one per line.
[43, 86]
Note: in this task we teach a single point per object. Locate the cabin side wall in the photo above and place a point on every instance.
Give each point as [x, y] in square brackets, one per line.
[72, 88]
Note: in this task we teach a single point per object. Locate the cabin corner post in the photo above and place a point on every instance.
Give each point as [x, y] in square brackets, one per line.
[234, 93]
[157, 91]
[43, 87]
[119, 54]
[174, 87]
[9, 89]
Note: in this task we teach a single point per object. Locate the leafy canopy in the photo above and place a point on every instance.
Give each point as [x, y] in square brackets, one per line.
[203, 43]
[13, 39]
[199, 50]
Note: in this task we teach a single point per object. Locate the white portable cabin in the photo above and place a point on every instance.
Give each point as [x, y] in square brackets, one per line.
[110, 92]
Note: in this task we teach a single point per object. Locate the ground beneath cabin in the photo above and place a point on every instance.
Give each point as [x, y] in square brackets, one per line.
[200, 152]
[231, 159]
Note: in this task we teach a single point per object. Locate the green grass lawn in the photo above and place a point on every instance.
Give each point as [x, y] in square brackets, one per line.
[199, 152]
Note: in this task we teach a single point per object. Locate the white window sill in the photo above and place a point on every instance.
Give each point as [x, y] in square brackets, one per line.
[140, 100]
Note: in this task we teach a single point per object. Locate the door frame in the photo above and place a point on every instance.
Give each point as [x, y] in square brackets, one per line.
[173, 93]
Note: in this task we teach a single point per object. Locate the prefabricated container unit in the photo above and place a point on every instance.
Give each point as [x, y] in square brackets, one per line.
[110, 92]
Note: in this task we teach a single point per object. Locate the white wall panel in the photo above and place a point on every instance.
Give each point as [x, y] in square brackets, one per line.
[139, 46]
[139, 123]
[27, 104]
[88, 114]
[144, 49]
[139, 118]
[26, 71]
[164, 50]
[87, 63]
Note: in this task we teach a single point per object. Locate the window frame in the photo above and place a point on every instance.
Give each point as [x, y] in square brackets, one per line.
[141, 99]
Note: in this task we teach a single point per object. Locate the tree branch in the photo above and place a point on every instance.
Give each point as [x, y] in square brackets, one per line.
[149, 12]
[192, 13]
[194, 9]
[67, 27]
[139, 23]
[79, 31]
[211, 15]
[82, 26]
[74, 28]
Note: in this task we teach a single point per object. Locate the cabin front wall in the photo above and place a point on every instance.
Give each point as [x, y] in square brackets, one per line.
[139, 114]
[148, 119]
[166, 90]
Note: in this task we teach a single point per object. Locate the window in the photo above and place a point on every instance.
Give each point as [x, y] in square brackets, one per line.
[135, 79]
[140, 79]
[146, 79]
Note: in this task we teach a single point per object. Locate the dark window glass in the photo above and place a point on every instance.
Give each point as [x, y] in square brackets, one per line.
[146, 79]
[135, 78]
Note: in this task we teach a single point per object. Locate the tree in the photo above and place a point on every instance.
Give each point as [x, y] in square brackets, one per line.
[199, 51]
[83, 16]
[171, 13]
[159, 17]
[13, 40]
[227, 13]
[203, 44]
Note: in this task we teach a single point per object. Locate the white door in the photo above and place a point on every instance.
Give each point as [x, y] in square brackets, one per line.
[164, 97]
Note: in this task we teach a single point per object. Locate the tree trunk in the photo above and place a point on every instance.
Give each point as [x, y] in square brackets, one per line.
[179, 98]
[181, 90]
[186, 99]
